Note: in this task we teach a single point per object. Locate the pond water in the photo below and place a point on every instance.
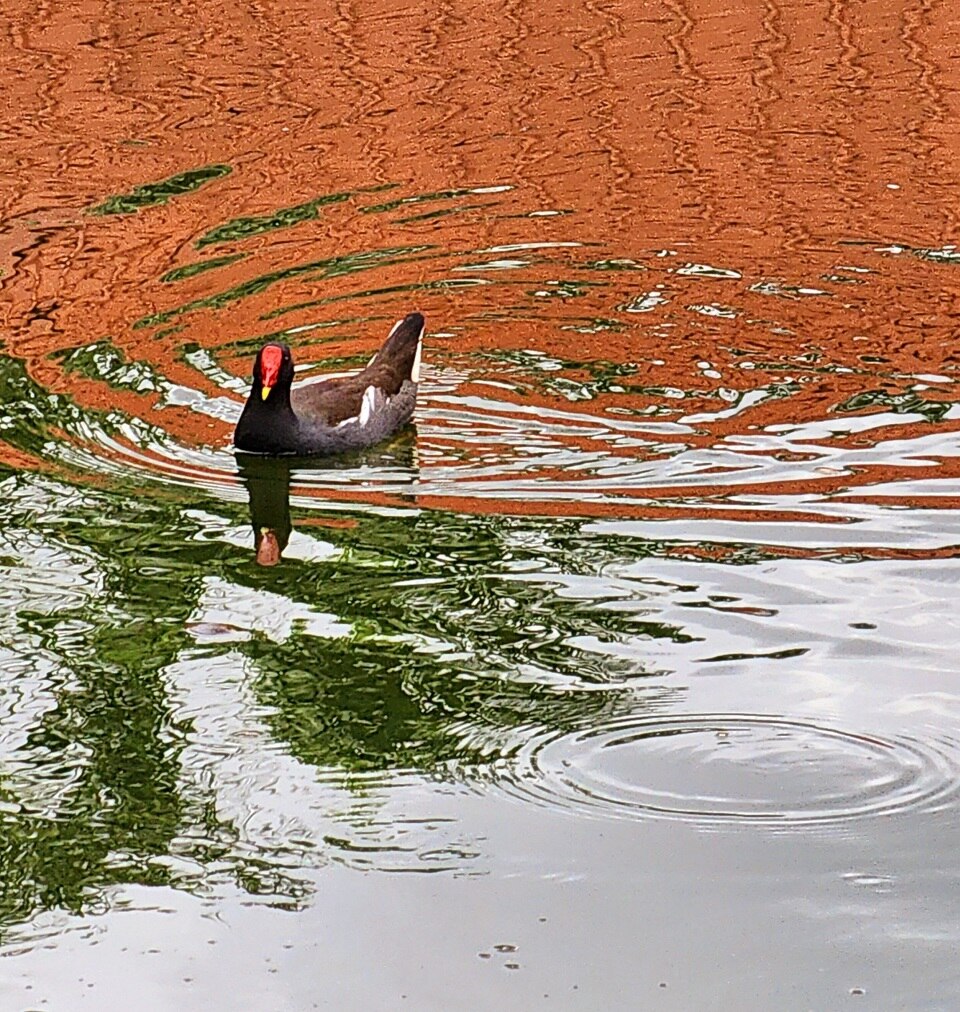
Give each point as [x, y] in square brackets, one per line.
[627, 676]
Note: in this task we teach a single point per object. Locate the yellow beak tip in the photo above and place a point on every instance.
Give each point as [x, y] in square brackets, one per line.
[265, 392]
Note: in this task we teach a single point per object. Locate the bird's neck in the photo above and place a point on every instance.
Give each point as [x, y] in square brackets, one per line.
[267, 426]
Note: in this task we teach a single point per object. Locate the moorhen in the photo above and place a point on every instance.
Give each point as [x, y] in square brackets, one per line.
[337, 414]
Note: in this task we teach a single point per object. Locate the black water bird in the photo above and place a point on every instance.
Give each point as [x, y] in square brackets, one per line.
[336, 414]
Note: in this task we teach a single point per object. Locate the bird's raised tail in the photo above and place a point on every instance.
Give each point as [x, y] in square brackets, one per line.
[400, 353]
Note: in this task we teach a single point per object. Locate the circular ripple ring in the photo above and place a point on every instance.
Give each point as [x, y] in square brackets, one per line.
[732, 769]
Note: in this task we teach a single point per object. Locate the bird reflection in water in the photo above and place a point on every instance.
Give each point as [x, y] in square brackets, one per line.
[391, 468]
[268, 486]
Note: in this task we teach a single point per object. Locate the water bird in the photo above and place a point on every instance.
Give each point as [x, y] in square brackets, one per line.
[335, 414]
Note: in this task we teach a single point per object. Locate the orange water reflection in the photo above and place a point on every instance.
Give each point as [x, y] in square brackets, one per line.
[706, 200]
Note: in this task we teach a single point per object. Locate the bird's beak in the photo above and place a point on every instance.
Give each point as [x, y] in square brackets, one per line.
[265, 392]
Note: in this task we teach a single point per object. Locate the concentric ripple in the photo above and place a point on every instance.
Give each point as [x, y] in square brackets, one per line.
[718, 770]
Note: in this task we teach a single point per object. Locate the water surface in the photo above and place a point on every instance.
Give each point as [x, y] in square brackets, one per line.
[626, 677]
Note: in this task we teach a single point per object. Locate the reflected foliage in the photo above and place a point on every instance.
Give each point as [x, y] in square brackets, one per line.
[106, 750]
[34, 420]
[906, 403]
[200, 267]
[314, 270]
[422, 198]
[284, 217]
[103, 360]
[151, 194]
[458, 639]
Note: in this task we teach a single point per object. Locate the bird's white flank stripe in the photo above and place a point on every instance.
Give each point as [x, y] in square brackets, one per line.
[415, 371]
[366, 408]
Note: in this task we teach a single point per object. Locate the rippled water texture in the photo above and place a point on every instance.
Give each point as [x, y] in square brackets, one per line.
[627, 676]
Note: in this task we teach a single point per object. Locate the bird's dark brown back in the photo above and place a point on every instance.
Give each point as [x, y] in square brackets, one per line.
[334, 400]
